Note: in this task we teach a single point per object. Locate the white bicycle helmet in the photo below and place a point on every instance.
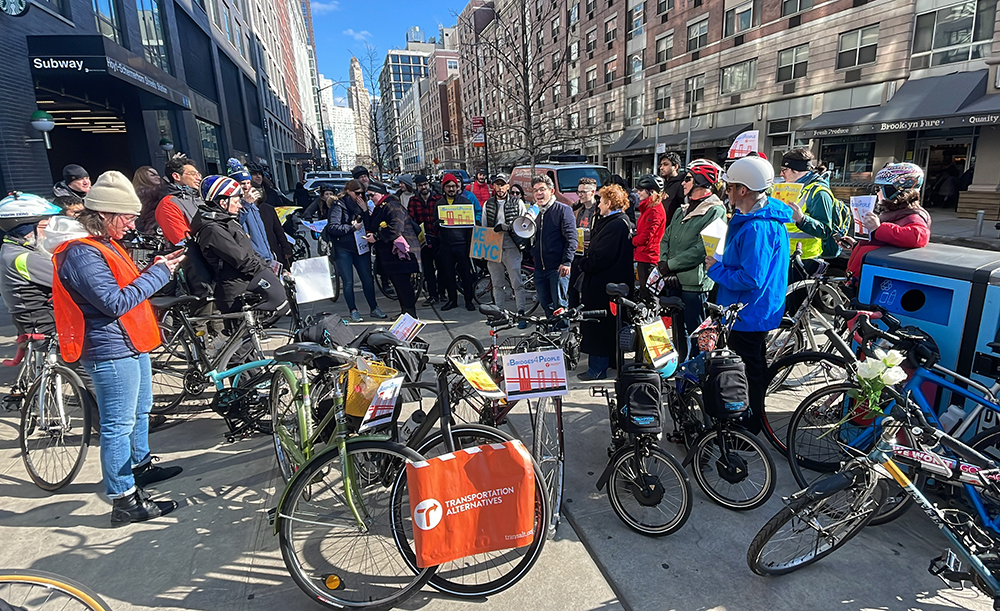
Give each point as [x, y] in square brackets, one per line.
[20, 208]
[752, 172]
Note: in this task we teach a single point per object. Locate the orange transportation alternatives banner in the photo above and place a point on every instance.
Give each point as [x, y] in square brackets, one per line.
[472, 501]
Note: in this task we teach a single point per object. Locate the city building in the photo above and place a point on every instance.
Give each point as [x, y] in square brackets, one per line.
[442, 133]
[860, 82]
[402, 68]
[360, 102]
[411, 132]
[345, 145]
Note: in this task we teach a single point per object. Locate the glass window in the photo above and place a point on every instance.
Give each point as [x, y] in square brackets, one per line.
[107, 17]
[209, 145]
[793, 63]
[394, 59]
[611, 29]
[610, 70]
[592, 116]
[555, 28]
[953, 34]
[556, 93]
[635, 65]
[662, 6]
[591, 5]
[738, 19]
[591, 78]
[574, 51]
[574, 13]
[662, 97]
[789, 7]
[697, 35]
[569, 178]
[574, 85]
[591, 40]
[609, 112]
[849, 161]
[637, 19]
[227, 24]
[239, 39]
[664, 48]
[738, 77]
[154, 33]
[857, 47]
[453, 64]
[574, 120]
[695, 86]
[633, 110]
[555, 61]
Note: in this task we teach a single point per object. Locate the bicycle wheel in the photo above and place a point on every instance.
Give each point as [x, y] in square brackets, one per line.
[170, 364]
[330, 556]
[742, 477]
[808, 530]
[651, 494]
[489, 573]
[787, 339]
[300, 250]
[42, 591]
[549, 453]
[285, 423]
[256, 382]
[467, 404]
[335, 282]
[988, 443]
[483, 289]
[55, 428]
[688, 415]
[789, 381]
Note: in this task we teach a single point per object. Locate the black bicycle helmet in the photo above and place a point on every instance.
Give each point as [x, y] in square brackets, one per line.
[650, 183]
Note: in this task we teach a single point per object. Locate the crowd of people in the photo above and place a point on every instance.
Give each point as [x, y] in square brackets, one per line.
[67, 274]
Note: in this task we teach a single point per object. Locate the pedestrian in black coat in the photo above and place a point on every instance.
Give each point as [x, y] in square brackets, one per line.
[608, 260]
[396, 246]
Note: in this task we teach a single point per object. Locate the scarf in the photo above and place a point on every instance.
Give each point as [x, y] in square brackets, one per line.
[249, 218]
[894, 216]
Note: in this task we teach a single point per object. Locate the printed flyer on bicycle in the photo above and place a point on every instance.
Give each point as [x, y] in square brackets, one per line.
[477, 377]
[531, 375]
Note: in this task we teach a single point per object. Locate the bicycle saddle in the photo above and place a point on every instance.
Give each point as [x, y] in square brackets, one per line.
[617, 290]
[671, 303]
[383, 339]
[490, 311]
[305, 353]
[165, 303]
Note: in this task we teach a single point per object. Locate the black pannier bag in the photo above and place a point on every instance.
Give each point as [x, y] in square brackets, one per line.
[725, 391]
[327, 330]
[639, 400]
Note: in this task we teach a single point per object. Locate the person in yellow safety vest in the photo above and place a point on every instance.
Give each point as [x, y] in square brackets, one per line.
[813, 212]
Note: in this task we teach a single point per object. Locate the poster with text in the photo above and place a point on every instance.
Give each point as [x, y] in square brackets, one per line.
[744, 144]
[477, 377]
[486, 244]
[383, 404]
[535, 374]
[714, 238]
[659, 346]
[860, 206]
[406, 327]
[359, 239]
[457, 215]
[786, 192]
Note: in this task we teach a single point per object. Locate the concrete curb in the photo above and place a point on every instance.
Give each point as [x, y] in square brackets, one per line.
[581, 533]
[980, 243]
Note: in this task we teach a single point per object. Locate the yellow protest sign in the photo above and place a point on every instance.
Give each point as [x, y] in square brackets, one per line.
[786, 192]
[477, 377]
[714, 237]
[582, 237]
[457, 215]
[659, 347]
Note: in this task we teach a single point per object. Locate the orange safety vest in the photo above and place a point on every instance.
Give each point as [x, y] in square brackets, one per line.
[139, 322]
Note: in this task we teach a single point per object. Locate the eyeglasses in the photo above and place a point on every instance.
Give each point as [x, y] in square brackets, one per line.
[688, 179]
[128, 218]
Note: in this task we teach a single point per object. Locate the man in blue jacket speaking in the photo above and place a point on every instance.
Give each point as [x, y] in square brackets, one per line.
[555, 244]
[753, 270]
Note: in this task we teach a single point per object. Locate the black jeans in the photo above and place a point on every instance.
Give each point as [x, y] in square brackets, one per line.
[643, 270]
[404, 291]
[427, 262]
[751, 346]
[454, 264]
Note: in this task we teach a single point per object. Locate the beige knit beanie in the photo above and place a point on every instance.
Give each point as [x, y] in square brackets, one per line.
[113, 192]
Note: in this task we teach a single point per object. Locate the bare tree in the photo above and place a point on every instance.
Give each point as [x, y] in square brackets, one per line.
[509, 60]
[371, 68]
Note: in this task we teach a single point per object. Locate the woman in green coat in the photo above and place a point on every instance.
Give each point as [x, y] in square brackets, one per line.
[682, 258]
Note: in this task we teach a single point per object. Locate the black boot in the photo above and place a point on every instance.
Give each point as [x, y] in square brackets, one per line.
[149, 474]
[137, 507]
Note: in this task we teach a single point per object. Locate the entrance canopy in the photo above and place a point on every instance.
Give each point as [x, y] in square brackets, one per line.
[937, 102]
[94, 59]
[705, 138]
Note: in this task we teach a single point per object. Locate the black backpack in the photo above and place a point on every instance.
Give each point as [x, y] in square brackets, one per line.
[639, 399]
[725, 391]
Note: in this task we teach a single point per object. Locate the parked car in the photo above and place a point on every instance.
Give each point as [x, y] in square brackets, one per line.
[565, 177]
[313, 184]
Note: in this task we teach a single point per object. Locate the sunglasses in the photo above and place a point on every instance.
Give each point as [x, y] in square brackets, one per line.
[688, 179]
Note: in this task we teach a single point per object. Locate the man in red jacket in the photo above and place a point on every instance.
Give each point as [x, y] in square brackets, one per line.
[183, 196]
[479, 188]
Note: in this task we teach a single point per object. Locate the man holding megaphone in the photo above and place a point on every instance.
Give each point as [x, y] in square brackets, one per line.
[554, 246]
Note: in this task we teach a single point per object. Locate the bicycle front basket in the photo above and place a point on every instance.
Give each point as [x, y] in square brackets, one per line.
[362, 386]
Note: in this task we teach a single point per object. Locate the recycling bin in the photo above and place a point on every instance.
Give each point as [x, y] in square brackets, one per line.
[951, 292]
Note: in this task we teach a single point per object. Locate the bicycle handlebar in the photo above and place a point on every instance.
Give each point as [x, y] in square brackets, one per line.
[22, 348]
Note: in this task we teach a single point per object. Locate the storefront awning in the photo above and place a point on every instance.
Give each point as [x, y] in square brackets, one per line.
[937, 102]
[90, 58]
[629, 137]
[705, 138]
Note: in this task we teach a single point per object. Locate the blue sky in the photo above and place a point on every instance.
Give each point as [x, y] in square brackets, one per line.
[343, 26]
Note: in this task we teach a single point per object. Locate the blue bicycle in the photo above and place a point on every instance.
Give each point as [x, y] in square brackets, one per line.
[833, 425]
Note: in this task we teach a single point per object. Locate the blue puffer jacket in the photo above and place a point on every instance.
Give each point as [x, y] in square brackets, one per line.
[90, 284]
[754, 267]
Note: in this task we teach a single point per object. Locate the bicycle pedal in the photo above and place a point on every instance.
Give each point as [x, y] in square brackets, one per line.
[948, 568]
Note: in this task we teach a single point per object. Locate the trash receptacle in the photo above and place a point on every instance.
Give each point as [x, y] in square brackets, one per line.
[943, 290]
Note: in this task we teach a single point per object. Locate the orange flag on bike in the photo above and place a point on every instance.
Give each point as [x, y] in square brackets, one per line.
[472, 501]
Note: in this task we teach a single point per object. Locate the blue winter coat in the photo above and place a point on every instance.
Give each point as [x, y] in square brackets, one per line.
[88, 280]
[754, 267]
[555, 237]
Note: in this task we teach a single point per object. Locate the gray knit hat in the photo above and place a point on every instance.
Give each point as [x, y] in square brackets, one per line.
[113, 192]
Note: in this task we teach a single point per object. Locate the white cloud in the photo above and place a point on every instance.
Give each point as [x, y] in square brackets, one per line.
[359, 36]
[322, 8]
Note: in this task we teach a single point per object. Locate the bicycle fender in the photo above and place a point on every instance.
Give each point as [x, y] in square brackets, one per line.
[829, 486]
[602, 481]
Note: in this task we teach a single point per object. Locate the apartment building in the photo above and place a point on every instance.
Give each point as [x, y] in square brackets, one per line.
[860, 82]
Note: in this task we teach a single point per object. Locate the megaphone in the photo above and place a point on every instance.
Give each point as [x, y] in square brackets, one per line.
[524, 225]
